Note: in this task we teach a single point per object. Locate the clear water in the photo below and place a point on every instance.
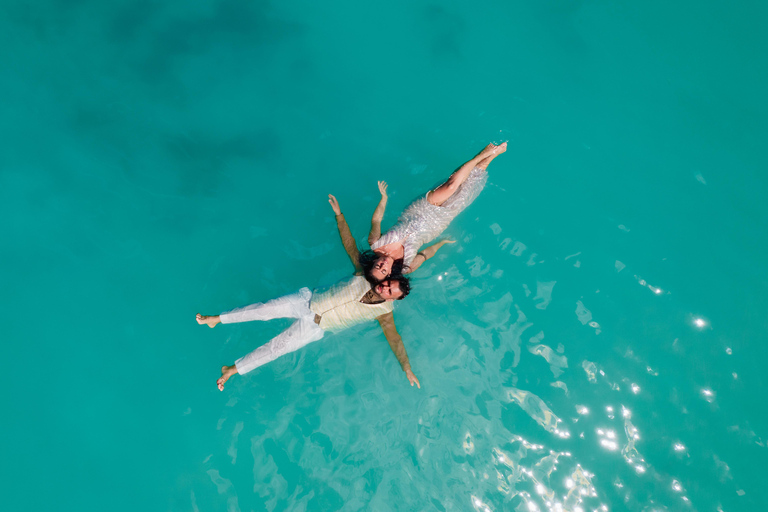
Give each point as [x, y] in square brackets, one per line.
[160, 159]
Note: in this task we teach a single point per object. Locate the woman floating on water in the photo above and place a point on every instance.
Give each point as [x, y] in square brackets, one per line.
[397, 251]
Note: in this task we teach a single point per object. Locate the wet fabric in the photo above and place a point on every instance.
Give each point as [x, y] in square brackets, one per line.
[339, 305]
[302, 332]
[422, 222]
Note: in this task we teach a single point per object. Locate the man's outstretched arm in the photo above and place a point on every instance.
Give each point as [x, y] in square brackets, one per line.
[346, 235]
[387, 323]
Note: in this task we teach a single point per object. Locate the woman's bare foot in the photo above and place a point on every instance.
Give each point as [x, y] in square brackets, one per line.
[226, 373]
[501, 148]
[439, 195]
[492, 149]
[210, 321]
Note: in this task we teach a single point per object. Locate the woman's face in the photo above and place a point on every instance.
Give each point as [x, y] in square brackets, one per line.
[382, 267]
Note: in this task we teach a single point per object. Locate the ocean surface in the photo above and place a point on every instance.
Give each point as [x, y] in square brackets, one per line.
[595, 340]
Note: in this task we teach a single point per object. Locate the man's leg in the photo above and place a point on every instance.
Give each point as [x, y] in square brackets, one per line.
[288, 306]
[439, 195]
[301, 333]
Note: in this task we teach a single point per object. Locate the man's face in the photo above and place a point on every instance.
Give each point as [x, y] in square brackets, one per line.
[382, 267]
[388, 290]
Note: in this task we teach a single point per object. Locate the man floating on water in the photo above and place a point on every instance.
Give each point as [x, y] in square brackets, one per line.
[347, 303]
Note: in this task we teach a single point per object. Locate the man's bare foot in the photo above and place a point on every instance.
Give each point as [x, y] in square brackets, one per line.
[226, 373]
[210, 321]
[501, 148]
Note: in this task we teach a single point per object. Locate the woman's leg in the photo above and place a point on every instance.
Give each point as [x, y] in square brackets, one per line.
[439, 195]
[485, 162]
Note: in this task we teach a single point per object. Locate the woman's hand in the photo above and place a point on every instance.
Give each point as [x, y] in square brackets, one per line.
[427, 253]
[334, 204]
[383, 189]
[412, 378]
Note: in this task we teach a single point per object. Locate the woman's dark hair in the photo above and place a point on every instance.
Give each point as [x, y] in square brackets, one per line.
[368, 258]
[405, 284]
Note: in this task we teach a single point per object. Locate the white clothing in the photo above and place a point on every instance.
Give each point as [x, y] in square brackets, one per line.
[422, 222]
[302, 332]
[339, 305]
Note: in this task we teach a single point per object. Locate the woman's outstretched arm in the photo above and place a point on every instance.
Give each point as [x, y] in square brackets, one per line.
[378, 214]
[427, 253]
[346, 235]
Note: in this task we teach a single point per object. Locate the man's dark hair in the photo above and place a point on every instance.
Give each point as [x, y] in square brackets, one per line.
[405, 284]
[367, 259]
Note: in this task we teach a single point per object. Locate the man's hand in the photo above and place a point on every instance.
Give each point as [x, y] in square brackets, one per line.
[412, 378]
[334, 204]
[383, 189]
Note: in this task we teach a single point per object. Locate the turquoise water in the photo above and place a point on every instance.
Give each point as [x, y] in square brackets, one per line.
[164, 159]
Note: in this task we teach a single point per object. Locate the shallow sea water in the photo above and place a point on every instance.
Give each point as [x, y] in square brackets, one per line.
[595, 340]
